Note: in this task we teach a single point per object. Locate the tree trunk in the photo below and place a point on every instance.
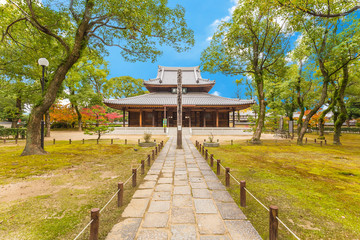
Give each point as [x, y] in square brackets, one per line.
[15, 120]
[300, 101]
[343, 113]
[262, 109]
[33, 143]
[47, 123]
[79, 118]
[317, 106]
[321, 123]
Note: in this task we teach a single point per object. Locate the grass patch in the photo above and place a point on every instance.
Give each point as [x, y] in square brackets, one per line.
[50, 196]
[317, 189]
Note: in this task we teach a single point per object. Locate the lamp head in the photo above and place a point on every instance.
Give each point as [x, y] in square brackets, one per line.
[43, 62]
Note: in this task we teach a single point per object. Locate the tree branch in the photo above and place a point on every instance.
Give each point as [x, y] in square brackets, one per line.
[319, 14]
[33, 20]
[71, 7]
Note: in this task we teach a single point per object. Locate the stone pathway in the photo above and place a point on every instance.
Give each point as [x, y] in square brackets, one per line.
[181, 198]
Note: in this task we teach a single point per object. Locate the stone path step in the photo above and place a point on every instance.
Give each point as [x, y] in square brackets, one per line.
[182, 198]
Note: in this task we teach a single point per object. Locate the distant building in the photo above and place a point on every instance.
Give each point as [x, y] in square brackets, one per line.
[200, 109]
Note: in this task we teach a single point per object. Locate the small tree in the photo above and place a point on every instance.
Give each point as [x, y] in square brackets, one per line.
[97, 122]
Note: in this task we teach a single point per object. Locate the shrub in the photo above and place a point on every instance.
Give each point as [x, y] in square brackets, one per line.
[14, 132]
[211, 138]
[147, 136]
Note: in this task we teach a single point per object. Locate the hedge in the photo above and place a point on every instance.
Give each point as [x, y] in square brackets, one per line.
[14, 132]
[343, 129]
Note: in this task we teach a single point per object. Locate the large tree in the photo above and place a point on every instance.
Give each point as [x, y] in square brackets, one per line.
[332, 44]
[137, 27]
[253, 43]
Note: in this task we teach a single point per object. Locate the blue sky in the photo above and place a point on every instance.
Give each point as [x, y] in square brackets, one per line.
[201, 17]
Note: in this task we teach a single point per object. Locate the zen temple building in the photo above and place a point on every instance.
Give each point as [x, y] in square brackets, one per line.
[200, 109]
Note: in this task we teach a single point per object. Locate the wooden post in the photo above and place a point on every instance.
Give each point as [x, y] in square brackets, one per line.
[158, 148]
[204, 119]
[69, 141]
[232, 142]
[94, 226]
[54, 141]
[203, 150]
[320, 143]
[200, 147]
[125, 141]
[325, 142]
[217, 140]
[153, 155]
[120, 194]
[123, 117]
[211, 160]
[112, 141]
[134, 177]
[140, 118]
[156, 151]
[242, 193]
[179, 110]
[138, 141]
[148, 160]
[153, 118]
[217, 118]
[315, 140]
[206, 154]
[142, 167]
[305, 140]
[218, 167]
[227, 176]
[273, 223]
[233, 117]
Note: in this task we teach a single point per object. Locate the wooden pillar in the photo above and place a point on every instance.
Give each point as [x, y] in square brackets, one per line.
[189, 118]
[195, 119]
[233, 117]
[153, 118]
[123, 117]
[217, 118]
[140, 118]
[204, 124]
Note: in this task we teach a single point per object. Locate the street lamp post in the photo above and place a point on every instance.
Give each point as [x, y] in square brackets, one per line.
[44, 63]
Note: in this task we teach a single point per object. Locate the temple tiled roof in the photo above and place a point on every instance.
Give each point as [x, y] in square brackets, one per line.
[169, 99]
[168, 76]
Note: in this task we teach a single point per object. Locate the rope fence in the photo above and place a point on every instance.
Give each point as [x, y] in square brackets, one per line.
[273, 210]
[95, 212]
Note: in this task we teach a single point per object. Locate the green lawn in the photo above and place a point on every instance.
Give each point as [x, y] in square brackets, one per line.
[317, 189]
[50, 196]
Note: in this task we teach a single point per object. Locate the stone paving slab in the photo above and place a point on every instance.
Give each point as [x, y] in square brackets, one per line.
[182, 215]
[152, 234]
[242, 230]
[125, 230]
[136, 208]
[182, 199]
[183, 232]
[210, 224]
[155, 220]
[159, 206]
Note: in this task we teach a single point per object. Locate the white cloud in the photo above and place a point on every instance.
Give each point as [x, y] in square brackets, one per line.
[218, 21]
[64, 101]
[209, 39]
[216, 93]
